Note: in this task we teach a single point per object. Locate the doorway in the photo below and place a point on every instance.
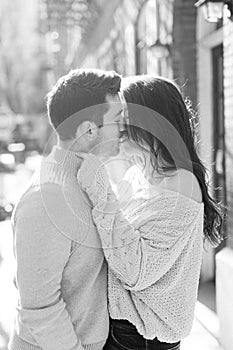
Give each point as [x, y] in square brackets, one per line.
[219, 161]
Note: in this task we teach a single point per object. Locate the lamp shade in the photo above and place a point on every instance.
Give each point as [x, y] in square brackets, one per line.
[212, 9]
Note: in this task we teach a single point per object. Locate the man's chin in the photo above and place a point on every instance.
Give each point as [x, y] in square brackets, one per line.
[110, 150]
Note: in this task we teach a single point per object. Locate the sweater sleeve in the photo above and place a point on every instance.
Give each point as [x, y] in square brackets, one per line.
[42, 252]
[143, 251]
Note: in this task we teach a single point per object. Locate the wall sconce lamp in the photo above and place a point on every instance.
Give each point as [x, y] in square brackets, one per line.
[213, 9]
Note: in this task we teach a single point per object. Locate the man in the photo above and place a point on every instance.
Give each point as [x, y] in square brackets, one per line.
[61, 271]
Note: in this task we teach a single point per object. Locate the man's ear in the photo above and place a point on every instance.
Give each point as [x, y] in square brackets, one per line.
[88, 130]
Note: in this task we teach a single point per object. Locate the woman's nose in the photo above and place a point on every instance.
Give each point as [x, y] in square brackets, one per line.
[122, 125]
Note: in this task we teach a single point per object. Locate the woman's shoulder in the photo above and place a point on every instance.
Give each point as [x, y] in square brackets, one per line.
[185, 183]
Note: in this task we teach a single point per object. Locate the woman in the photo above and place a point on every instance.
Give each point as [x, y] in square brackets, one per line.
[154, 243]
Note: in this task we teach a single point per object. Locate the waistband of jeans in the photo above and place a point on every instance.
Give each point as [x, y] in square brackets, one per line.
[121, 323]
[127, 325]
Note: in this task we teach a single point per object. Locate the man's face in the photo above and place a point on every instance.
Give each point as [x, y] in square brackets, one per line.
[110, 131]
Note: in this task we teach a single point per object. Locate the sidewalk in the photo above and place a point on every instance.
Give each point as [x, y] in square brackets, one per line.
[204, 335]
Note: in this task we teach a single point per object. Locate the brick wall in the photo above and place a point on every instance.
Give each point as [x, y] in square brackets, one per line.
[184, 47]
[228, 94]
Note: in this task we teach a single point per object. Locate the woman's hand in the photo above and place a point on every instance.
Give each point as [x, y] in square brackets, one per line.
[93, 177]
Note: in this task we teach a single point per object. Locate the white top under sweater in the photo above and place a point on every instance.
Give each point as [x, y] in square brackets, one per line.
[154, 250]
[61, 270]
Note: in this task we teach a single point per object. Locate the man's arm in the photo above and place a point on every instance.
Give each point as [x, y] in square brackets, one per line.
[42, 252]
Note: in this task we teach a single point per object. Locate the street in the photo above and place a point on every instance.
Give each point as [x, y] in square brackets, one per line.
[7, 290]
[13, 184]
[11, 187]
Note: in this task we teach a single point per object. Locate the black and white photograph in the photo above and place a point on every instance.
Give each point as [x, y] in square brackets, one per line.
[116, 174]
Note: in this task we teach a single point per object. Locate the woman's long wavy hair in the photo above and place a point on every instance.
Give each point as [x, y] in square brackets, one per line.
[164, 97]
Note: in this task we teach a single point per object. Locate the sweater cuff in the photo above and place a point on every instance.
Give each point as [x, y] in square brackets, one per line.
[17, 343]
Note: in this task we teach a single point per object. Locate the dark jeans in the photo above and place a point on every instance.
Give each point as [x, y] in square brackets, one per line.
[124, 336]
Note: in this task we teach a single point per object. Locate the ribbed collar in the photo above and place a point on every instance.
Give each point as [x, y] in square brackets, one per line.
[68, 160]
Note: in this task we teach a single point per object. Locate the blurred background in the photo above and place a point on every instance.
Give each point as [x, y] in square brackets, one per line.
[40, 40]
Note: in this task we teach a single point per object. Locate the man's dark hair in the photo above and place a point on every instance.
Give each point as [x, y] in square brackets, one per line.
[80, 95]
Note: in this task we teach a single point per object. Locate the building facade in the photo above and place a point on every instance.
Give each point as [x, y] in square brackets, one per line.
[144, 37]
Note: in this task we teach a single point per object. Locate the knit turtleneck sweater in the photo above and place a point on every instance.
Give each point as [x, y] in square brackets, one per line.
[61, 272]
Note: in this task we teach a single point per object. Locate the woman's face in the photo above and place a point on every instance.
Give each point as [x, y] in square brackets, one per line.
[134, 152]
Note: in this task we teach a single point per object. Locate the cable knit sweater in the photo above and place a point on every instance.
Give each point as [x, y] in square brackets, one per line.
[154, 250]
[61, 270]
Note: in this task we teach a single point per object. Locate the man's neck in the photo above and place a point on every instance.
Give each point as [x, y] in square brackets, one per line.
[72, 146]
[66, 145]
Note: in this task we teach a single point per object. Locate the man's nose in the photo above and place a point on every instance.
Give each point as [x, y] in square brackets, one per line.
[122, 124]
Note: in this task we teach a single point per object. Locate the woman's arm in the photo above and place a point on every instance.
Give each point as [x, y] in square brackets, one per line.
[142, 254]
